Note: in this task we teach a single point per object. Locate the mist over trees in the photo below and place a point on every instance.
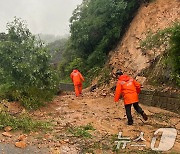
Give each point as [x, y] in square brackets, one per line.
[50, 38]
[56, 49]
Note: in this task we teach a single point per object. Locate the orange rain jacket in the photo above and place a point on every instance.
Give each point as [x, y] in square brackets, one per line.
[129, 88]
[76, 77]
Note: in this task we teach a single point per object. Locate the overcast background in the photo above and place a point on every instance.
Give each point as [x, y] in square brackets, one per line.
[41, 16]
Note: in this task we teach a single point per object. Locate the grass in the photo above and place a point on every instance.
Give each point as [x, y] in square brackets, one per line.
[105, 76]
[81, 131]
[22, 122]
[162, 117]
[143, 152]
[125, 151]
[90, 147]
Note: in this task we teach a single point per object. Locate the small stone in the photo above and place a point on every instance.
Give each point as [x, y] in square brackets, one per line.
[7, 134]
[22, 137]
[8, 128]
[58, 145]
[104, 94]
[141, 79]
[20, 144]
[62, 142]
[65, 141]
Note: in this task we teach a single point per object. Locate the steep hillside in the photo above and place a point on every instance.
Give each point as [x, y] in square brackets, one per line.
[128, 55]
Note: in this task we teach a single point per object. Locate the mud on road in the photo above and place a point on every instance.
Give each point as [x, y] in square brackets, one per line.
[90, 124]
[107, 119]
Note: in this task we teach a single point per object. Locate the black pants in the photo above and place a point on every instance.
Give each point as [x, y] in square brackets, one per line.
[128, 111]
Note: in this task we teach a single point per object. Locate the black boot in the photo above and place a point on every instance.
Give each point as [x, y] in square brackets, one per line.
[144, 116]
[130, 123]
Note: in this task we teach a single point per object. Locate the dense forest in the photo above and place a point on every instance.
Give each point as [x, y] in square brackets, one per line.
[95, 28]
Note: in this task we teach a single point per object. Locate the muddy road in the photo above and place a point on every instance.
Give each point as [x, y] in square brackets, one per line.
[91, 124]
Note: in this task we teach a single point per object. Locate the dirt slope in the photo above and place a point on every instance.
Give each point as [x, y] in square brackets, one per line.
[159, 14]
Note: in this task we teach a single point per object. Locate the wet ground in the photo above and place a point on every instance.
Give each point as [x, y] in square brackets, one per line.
[107, 119]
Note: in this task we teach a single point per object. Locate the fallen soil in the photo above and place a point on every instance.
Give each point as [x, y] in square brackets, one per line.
[106, 117]
[128, 55]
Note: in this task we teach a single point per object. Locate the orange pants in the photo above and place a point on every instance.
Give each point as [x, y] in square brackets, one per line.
[78, 89]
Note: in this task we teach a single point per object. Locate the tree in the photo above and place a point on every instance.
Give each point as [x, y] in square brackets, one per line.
[24, 62]
[97, 25]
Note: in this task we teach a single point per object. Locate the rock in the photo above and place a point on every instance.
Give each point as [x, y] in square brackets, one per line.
[8, 128]
[23, 111]
[55, 123]
[58, 145]
[20, 144]
[178, 126]
[55, 151]
[104, 94]
[93, 88]
[48, 136]
[62, 142]
[22, 137]
[7, 134]
[141, 79]
[66, 140]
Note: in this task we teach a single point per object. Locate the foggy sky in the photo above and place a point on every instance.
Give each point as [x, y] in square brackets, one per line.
[41, 16]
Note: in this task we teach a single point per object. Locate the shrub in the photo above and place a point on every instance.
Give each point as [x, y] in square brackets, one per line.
[22, 122]
[25, 67]
[169, 41]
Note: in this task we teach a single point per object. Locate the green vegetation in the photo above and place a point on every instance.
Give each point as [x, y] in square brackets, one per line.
[167, 40]
[25, 71]
[81, 131]
[144, 152]
[105, 77]
[96, 27]
[22, 122]
[162, 117]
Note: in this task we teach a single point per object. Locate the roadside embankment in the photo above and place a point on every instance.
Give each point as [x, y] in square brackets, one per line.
[165, 100]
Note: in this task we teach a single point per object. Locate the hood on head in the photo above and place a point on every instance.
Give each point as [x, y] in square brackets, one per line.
[124, 78]
[75, 70]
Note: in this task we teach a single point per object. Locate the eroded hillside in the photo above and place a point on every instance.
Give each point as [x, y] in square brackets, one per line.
[156, 15]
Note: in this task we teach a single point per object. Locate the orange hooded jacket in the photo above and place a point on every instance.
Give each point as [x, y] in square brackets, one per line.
[76, 77]
[129, 88]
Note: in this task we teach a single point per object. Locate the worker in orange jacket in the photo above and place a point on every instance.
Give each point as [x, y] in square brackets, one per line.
[129, 88]
[77, 80]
